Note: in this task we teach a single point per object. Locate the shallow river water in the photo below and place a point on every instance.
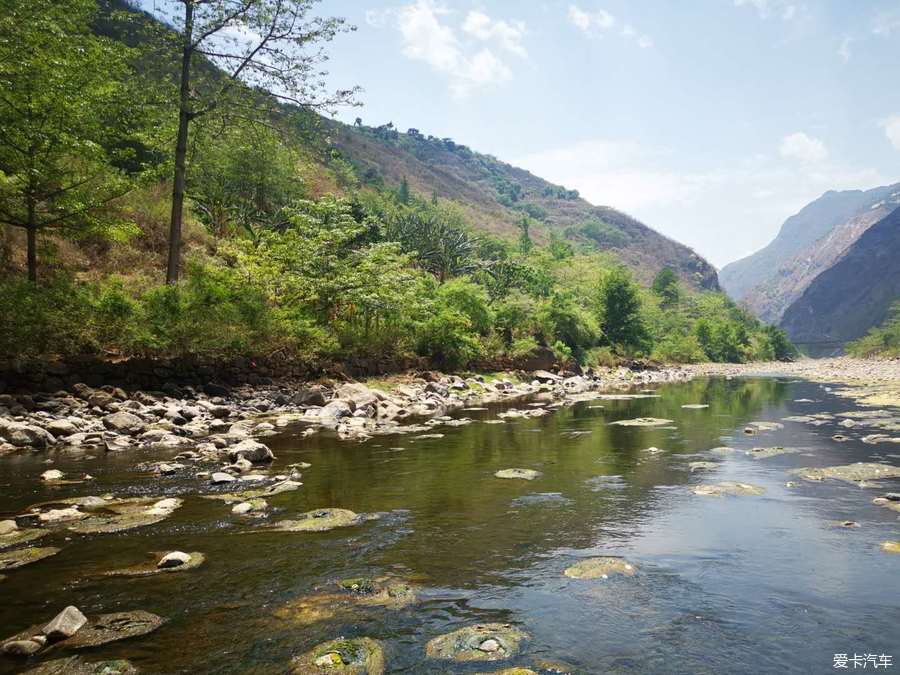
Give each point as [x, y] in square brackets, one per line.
[745, 584]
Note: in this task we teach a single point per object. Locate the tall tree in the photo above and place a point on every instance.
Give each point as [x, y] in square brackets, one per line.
[665, 286]
[267, 50]
[60, 94]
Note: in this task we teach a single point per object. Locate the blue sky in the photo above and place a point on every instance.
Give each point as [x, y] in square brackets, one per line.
[710, 120]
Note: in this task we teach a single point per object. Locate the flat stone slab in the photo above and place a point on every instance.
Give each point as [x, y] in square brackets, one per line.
[23, 536]
[387, 592]
[702, 466]
[100, 630]
[150, 568]
[600, 568]
[850, 473]
[695, 406]
[765, 453]
[260, 493]
[524, 474]
[642, 422]
[119, 515]
[756, 427]
[319, 520]
[355, 656]
[728, 488]
[10, 560]
[482, 642]
[890, 546]
[75, 665]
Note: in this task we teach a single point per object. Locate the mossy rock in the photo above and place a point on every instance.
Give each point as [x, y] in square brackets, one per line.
[892, 504]
[23, 536]
[355, 656]
[119, 515]
[149, 568]
[643, 422]
[382, 592]
[319, 520]
[311, 609]
[890, 546]
[10, 560]
[75, 665]
[850, 473]
[728, 488]
[524, 474]
[702, 466]
[600, 568]
[755, 427]
[765, 453]
[259, 493]
[483, 642]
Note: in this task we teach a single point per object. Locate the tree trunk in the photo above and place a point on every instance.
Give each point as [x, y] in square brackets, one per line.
[184, 118]
[31, 234]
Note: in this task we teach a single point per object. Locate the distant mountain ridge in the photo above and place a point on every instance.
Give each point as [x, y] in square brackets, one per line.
[855, 293]
[809, 243]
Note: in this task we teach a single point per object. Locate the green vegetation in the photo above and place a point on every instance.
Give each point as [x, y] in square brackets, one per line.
[883, 340]
[288, 247]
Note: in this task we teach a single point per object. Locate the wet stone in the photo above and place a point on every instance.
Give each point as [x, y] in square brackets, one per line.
[25, 556]
[65, 624]
[600, 568]
[483, 642]
[890, 546]
[156, 565]
[355, 656]
[851, 473]
[108, 628]
[16, 536]
[247, 495]
[319, 520]
[524, 474]
[75, 665]
[695, 406]
[643, 422]
[728, 488]
[702, 466]
[118, 515]
[765, 453]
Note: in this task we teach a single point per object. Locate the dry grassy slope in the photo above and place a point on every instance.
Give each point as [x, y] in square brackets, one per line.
[469, 179]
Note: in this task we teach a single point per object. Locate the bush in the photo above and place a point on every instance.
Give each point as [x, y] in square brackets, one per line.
[448, 339]
[679, 349]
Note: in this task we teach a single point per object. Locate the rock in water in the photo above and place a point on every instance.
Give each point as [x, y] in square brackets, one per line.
[220, 477]
[600, 568]
[174, 559]
[730, 488]
[890, 546]
[252, 451]
[65, 624]
[357, 656]
[52, 474]
[484, 642]
[643, 422]
[21, 647]
[526, 474]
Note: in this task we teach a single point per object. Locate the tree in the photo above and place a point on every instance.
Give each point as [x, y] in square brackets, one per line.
[618, 306]
[403, 191]
[60, 93]
[665, 286]
[262, 44]
[525, 243]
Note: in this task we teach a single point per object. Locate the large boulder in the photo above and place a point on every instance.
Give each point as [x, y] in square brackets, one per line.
[251, 450]
[123, 423]
[23, 435]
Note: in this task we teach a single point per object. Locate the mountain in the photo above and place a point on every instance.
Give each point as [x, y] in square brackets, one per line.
[808, 243]
[855, 293]
[497, 195]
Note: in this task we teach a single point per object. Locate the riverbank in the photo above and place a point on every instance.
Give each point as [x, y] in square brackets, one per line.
[215, 422]
[874, 382]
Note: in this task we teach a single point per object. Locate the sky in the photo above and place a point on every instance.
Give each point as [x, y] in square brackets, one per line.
[712, 121]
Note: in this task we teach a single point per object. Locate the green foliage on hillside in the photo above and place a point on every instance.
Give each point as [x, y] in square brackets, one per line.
[303, 252]
[883, 340]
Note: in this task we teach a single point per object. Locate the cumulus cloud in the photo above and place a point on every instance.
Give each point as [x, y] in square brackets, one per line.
[887, 23]
[428, 37]
[784, 10]
[803, 147]
[892, 130]
[599, 21]
[844, 49]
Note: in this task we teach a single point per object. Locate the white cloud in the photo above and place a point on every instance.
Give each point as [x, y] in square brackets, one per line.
[593, 23]
[377, 18]
[786, 11]
[508, 35]
[803, 147]
[892, 130]
[844, 49]
[723, 213]
[887, 23]
[589, 22]
[427, 38]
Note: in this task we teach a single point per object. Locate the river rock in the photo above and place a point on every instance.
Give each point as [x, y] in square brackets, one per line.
[219, 477]
[174, 559]
[890, 546]
[524, 474]
[320, 520]
[52, 475]
[118, 515]
[702, 466]
[765, 453]
[483, 642]
[851, 473]
[252, 451]
[23, 435]
[251, 506]
[65, 624]
[124, 423]
[61, 515]
[642, 422]
[62, 427]
[23, 648]
[108, 628]
[24, 556]
[156, 566]
[729, 488]
[356, 656]
[75, 665]
[600, 568]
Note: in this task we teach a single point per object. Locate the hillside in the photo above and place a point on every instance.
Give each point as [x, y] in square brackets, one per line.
[855, 293]
[497, 195]
[808, 242]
